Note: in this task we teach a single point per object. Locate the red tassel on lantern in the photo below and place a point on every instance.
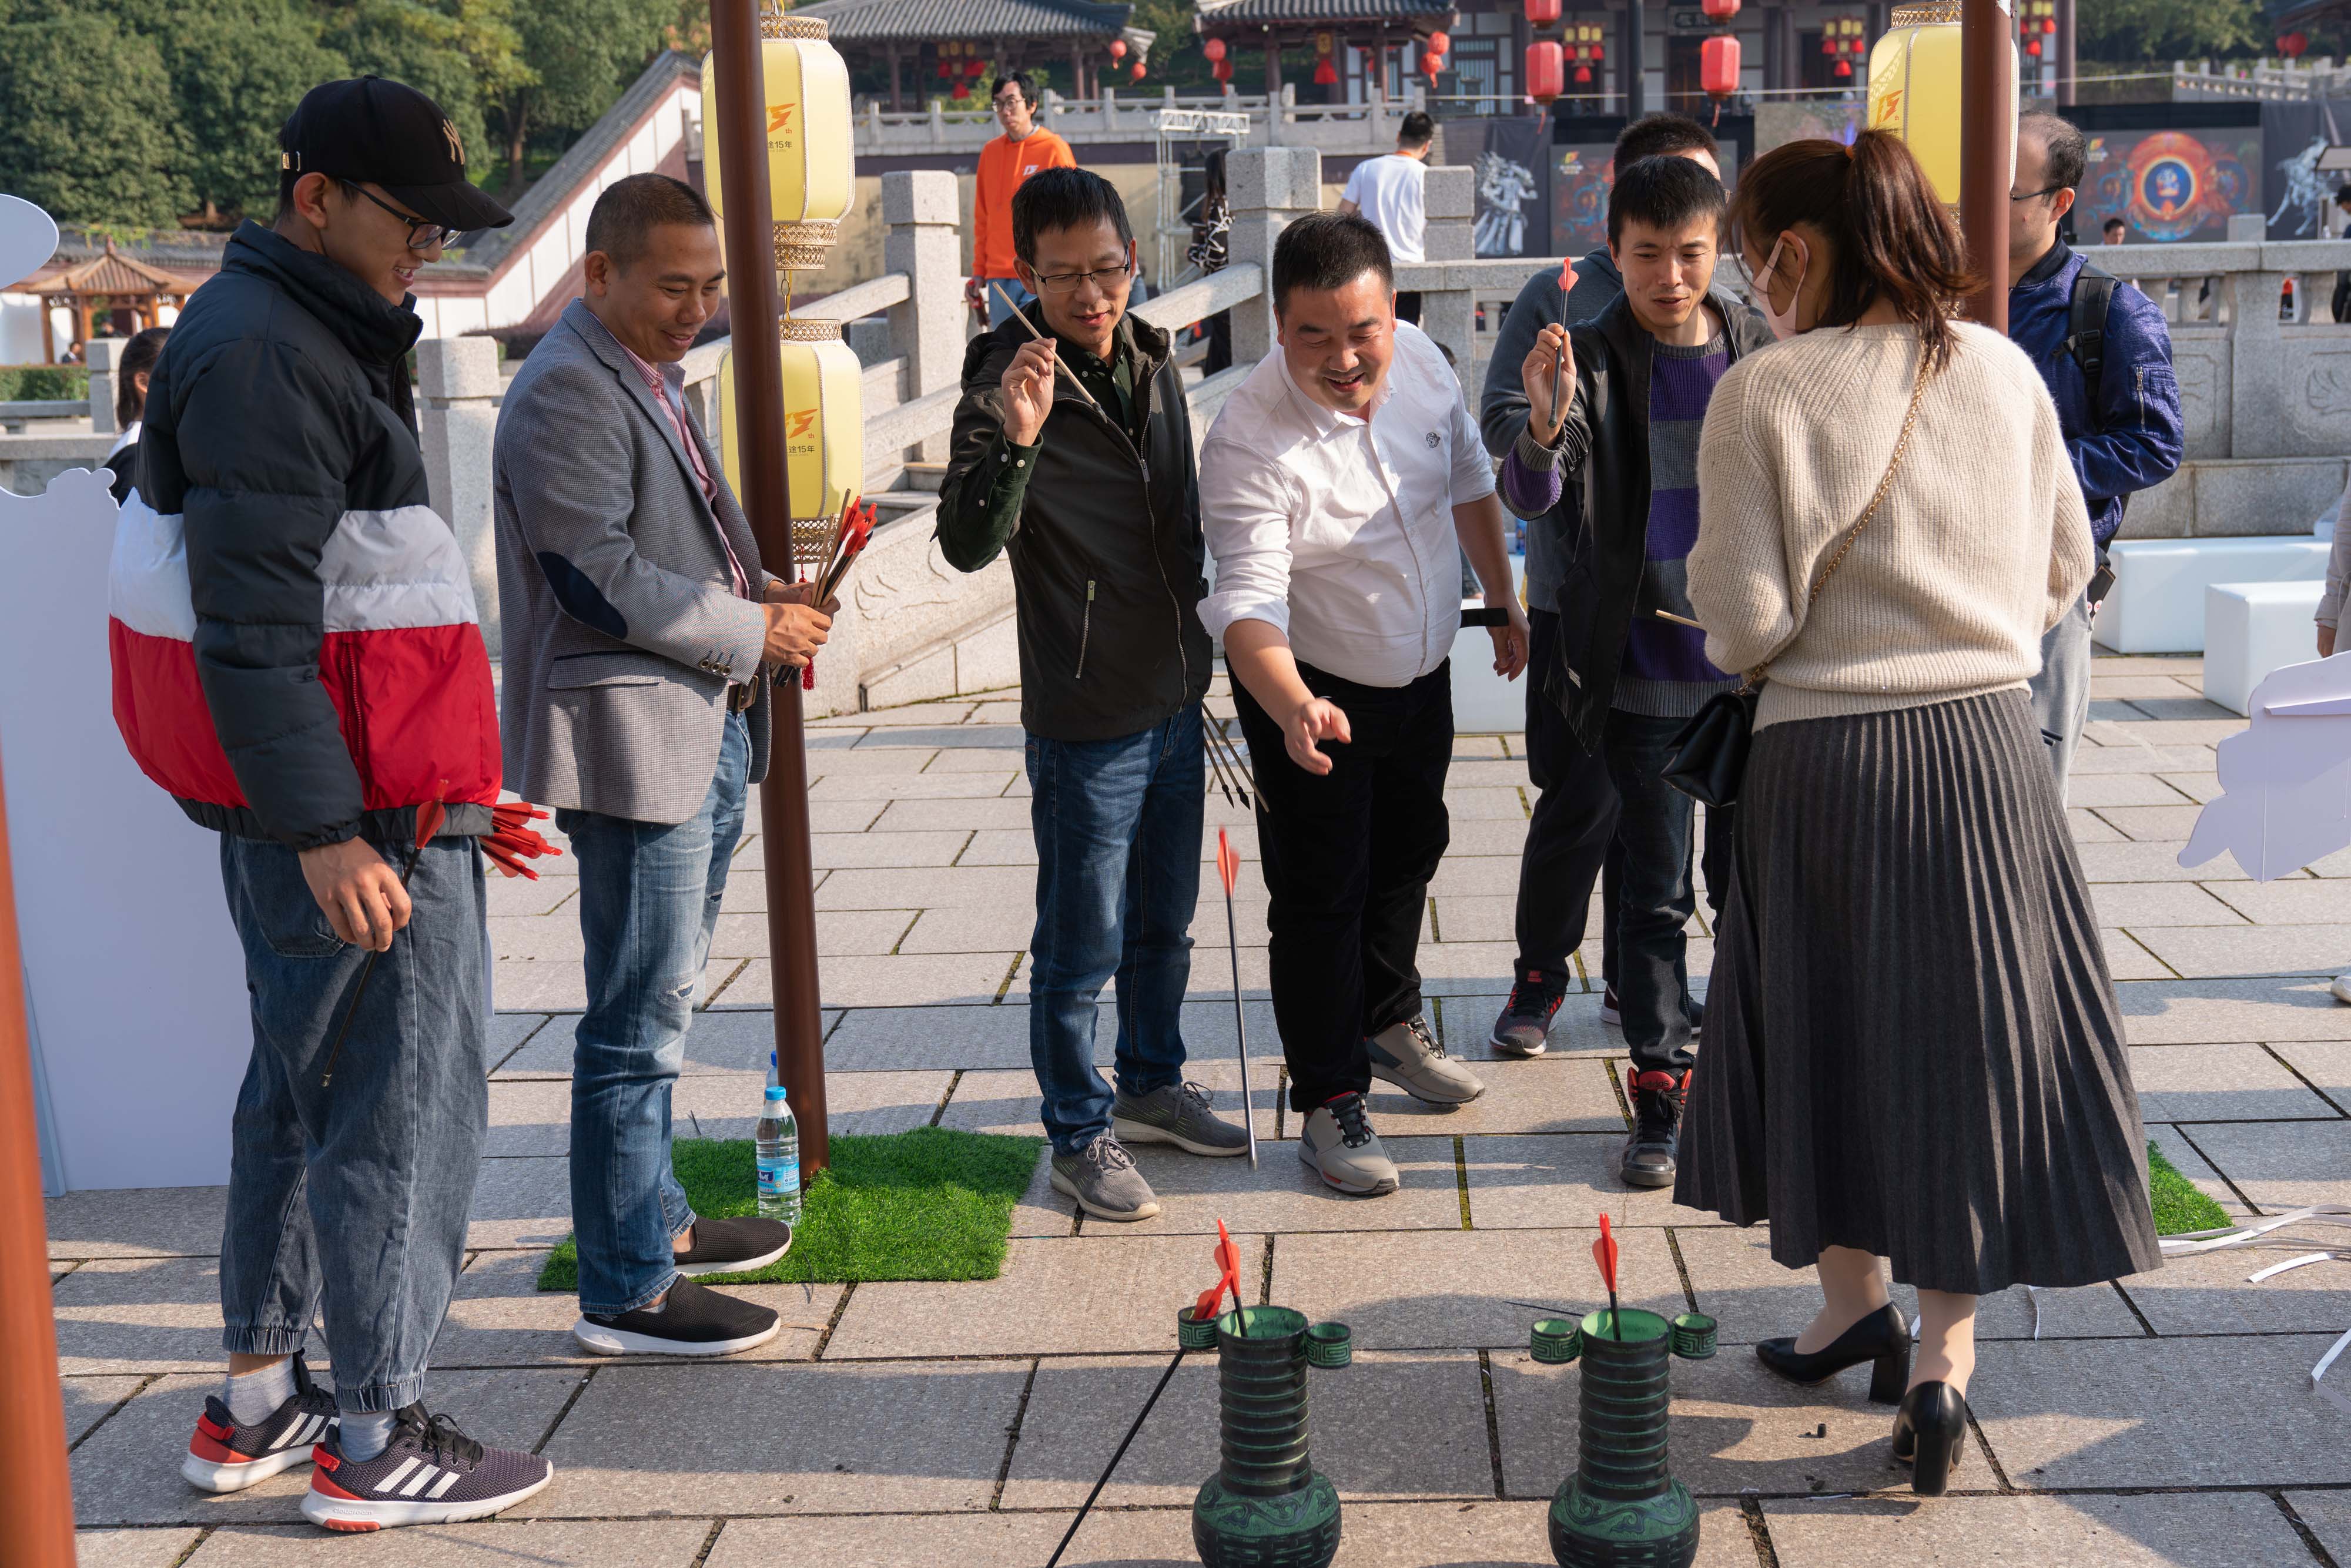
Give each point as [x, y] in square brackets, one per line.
[1542, 13]
[1718, 65]
[1546, 71]
[1214, 48]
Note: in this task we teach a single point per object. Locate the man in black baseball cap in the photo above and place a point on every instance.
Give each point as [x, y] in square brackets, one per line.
[326, 616]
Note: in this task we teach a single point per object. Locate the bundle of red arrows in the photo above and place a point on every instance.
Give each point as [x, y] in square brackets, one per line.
[849, 537]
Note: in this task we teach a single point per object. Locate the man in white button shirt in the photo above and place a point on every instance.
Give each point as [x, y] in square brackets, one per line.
[1339, 486]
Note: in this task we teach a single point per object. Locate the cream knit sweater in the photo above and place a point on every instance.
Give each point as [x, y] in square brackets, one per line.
[1979, 548]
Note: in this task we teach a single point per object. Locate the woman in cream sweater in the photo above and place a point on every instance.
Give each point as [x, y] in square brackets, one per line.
[1913, 1050]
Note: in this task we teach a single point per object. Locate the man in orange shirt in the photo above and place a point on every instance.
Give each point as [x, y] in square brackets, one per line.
[1023, 149]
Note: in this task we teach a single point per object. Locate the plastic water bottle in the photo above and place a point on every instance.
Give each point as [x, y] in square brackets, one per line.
[774, 1077]
[776, 1144]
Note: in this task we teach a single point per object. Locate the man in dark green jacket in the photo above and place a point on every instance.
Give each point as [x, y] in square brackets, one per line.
[1085, 476]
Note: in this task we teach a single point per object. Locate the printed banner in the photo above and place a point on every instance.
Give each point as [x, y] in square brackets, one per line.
[2171, 184]
[1510, 204]
[1581, 176]
[2292, 136]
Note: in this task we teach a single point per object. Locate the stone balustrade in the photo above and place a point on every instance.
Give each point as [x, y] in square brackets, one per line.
[1352, 129]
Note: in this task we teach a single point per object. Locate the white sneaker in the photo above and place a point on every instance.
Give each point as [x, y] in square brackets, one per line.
[2342, 988]
[1406, 1054]
[1338, 1143]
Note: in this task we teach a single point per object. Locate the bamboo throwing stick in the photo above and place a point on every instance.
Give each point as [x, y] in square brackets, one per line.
[1019, 316]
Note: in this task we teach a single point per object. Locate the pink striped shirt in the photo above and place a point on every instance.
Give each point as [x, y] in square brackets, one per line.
[669, 405]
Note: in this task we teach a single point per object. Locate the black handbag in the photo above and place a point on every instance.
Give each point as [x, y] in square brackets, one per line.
[1709, 753]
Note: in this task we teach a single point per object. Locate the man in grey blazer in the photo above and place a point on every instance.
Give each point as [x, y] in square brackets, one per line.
[638, 631]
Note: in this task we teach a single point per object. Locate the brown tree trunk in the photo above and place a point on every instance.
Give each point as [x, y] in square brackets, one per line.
[517, 140]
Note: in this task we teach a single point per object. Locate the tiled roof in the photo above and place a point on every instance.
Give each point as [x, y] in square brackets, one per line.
[919, 21]
[1214, 14]
[109, 273]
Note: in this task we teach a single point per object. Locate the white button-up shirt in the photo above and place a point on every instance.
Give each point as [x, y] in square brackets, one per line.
[1338, 531]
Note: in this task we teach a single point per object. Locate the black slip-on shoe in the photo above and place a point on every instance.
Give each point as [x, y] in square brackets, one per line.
[695, 1321]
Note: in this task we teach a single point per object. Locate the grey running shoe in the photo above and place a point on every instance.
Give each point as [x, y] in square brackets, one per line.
[1103, 1179]
[1406, 1054]
[1339, 1143]
[430, 1474]
[1524, 1027]
[1178, 1114]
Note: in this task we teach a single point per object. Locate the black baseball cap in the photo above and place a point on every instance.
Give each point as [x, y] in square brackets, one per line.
[384, 132]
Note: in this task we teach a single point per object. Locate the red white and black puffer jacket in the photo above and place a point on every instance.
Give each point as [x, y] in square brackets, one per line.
[297, 652]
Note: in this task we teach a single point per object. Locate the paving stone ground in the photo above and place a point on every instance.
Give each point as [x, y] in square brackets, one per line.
[2165, 1419]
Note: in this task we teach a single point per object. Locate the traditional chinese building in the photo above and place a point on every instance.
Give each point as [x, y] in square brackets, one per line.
[910, 49]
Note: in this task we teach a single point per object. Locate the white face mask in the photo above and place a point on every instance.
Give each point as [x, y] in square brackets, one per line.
[1782, 323]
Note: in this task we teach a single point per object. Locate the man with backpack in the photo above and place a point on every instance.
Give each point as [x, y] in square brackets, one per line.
[2105, 355]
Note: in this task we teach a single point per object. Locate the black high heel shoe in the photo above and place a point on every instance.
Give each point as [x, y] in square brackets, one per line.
[1930, 1433]
[1881, 1337]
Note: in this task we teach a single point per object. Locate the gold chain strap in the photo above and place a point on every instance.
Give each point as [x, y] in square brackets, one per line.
[1754, 677]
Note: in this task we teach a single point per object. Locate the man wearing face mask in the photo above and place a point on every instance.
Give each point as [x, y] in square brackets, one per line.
[1339, 485]
[312, 677]
[1624, 432]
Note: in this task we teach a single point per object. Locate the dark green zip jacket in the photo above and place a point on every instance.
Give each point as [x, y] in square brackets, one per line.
[1106, 550]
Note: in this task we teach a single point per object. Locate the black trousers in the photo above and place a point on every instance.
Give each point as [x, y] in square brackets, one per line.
[1348, 858]
[1610, 808]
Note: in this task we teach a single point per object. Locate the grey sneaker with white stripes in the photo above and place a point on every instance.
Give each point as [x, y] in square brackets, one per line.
[429, 1473]
[225, 1455]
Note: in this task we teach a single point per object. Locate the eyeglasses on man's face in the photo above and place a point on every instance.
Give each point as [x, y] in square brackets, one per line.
[1105, 279]
[2035, 196]
[423, 234]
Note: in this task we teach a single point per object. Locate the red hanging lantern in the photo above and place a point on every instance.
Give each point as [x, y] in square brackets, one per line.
[2033, 47]
[962, 90]
[2293, 45]
[2048, 24]
[1542, 13]
[1546, 71]
[1118, 48]
[1718, 65]
[1583, 76]
[1844, 71]
[1326, 73]
[1599, 51]
[1215, 49]
[1137, 72]
[946, 70]
[1719, 10]
[1222, 70]
[1440, 42]
[974, 69]
[1828, 44]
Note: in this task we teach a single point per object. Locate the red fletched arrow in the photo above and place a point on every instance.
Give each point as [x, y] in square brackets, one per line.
[1604, 1252]
[1566, 277]
[1228, 861]
[430, 815]
[1228, 1259]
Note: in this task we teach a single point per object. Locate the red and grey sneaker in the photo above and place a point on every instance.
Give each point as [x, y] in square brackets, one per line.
[429, 1473]
[225, 1457]
[1524, 1027]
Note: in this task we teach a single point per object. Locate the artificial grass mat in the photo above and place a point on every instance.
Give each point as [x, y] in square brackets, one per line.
[2179, 1207]
[930, 1204]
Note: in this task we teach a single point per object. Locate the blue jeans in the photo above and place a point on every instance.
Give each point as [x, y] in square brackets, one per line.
[1118, 876]
[356, 1191]
[649, 895]
[998, 312]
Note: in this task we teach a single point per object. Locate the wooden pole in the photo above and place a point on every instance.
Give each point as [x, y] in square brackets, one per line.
[36, 1489]
[1987, 149]
[752, 297]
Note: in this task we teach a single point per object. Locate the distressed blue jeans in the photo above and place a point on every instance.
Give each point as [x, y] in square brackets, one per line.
[354, 1193]
[1118, 874]
[649, 895]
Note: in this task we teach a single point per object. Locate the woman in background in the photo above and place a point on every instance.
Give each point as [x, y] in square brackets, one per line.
[130, 378]
[1210, 231]
[1913, 1050]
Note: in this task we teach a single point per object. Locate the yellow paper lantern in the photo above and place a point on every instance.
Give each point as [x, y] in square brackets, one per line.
[824, 430]
[1913, 91]
[811, 176]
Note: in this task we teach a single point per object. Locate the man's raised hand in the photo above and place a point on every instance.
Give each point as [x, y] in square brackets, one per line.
[1547, 403]
[1029, 391]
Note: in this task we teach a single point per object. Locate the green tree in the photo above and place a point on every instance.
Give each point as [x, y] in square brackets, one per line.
[2155, 30]
[461, 53]
[582, 54]
[238, 69]
[92, 135]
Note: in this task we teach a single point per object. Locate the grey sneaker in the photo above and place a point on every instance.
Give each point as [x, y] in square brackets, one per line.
[1339, 1143]
[1178, 1114]
[1103, 1179]
[1406, 1054]
[1524, 1027]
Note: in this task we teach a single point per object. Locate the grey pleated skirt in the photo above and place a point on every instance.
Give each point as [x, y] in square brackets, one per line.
[1912, 1046]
